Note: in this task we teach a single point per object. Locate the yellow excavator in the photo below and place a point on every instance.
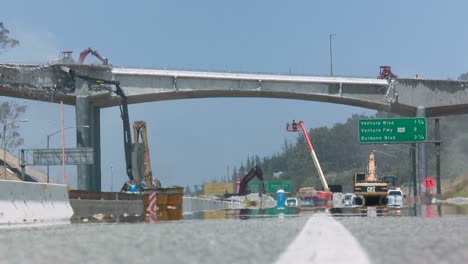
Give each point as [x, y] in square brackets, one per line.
[369, 186]
[139, 130]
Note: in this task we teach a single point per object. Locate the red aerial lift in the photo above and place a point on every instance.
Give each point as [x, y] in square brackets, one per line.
[85, 53]
[296, 127]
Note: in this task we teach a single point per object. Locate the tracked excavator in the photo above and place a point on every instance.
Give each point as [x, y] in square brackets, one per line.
[140, 129]
[369, 186]
[65, 57]
[254, 172]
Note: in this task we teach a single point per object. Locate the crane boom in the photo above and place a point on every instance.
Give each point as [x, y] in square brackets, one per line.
[294, 128]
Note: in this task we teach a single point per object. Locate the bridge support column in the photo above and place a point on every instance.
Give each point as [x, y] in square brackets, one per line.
[88, 135]
[421, 112]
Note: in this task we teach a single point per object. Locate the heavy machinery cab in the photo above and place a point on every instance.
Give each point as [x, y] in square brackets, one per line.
[386, 73]
[66, 57]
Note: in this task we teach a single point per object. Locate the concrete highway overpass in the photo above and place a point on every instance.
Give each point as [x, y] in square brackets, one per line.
[51, 83]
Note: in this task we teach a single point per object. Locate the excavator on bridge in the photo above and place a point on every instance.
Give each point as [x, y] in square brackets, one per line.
[254, 172]
[66, 57]
[386, 73]
[95, 53]
[139, 128]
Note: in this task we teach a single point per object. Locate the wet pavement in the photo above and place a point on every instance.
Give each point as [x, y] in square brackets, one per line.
[437, 234]
[435, 210]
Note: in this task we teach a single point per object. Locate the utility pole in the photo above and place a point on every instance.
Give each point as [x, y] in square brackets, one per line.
[437, 138]
[112, 178]
[331, 55]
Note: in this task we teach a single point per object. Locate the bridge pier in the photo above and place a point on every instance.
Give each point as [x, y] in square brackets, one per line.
[88, 135]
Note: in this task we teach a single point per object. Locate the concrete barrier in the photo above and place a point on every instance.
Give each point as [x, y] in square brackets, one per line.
[196, 204]
[88, 208]
[24, 204]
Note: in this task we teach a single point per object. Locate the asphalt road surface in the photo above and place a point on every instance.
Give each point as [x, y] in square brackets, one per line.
[310, 237]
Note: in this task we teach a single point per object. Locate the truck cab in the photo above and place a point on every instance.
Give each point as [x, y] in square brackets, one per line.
[395, 198]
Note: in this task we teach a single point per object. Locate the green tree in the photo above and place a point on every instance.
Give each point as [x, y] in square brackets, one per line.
[234, 173]
[463, 77]
[5, 40]
[9, 113]
[242, 171]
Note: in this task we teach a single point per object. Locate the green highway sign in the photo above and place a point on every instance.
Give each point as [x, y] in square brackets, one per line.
[270, 186]
[392, 130]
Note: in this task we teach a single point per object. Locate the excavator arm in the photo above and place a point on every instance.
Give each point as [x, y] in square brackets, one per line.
[139, 130]
[254, 172]
[85, 53]
[123, 111]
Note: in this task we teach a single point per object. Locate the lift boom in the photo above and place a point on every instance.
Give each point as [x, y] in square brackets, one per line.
[295, 128]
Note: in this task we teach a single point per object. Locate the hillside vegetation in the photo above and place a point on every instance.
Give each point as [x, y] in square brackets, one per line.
[341, 155]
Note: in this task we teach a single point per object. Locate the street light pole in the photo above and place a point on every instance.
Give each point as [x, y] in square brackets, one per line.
[331, 55]
[48, 139]
[4, 151]
[4, 143]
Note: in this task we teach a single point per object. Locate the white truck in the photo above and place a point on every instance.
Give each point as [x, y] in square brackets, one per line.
[395, 198]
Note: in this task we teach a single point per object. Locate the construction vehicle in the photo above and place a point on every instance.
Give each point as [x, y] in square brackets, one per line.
[139, 130]
[65, 57]
[96, 54]
[104, 84]
[369, 186]
[386, 73]
[310, 197]
[294, 127]
[395, 198]
[254, 172]
[321, 196]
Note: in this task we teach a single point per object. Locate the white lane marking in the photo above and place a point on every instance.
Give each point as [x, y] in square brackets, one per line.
[324, 240]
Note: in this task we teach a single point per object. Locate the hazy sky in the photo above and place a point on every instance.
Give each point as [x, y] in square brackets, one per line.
[195, 140]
